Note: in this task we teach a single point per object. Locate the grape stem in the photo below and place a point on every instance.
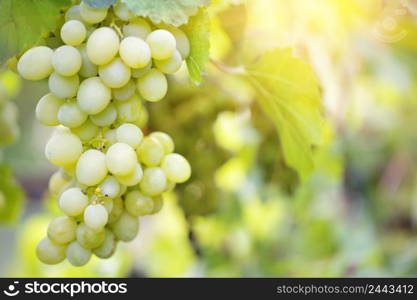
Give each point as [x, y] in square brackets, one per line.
[239, 70]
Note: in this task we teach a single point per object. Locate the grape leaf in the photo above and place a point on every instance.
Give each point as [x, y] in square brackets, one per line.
[288, 91]
[22, 23]
[198, 31]
[100, 3]
[174, 12]
[11, 206]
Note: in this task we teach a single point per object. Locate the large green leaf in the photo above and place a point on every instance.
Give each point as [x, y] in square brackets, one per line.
[100, 3]
[288, 91]
[11, 202]
[23, 22]
[174, 12]
[198, 31]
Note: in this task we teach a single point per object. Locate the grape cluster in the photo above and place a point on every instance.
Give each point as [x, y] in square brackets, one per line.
[110, 173]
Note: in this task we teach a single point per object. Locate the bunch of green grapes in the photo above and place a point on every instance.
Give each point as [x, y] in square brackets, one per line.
[110, 173]
[9, 87]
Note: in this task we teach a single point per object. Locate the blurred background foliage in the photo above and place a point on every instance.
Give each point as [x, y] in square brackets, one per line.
[248, 211]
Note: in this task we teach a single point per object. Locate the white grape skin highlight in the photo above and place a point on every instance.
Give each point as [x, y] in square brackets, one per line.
[61, 230]
[171, 64]
[130, 134]
[95, 216]
[137, 28]
[108, 247]
[63, 149]
[63, 86]
[91, 167]
[150, 151]
[135, 52]
[73, 202]
[93, 95]
[126, 228]
[70, 115]
[89, 238]
[88, 69]
[102, 45]
[153, 182]
[121, 159]
[87, 131]
[106, 117]
[66, 60]
[165, 140]
[125, 92]
[129, 111]
[73, 32]
[133, 178]
[92, 15]
[152, 86]
[176, 168]
[110, 187]
[115, 74]
[77, 255]
[49, 252]
[138, 204]
[123, 12]
[36, 63]
[162, 43]
[47, 110]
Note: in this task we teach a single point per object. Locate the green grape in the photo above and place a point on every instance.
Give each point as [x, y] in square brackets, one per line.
[92, 15]
[77, 255]
[102, 45]
[158, 203]
[110, 136]
[138, 204]
[95, 216]
[110, 187]
[88, 237]
[121, 159]
[115, 74]
[62, 230]
[73, 202]
[137, 28]
[129, 134]
[143, 118]
[93, 96]
[125, 92]
[136, 73]
[123, 12]
[108, 205]
[91, 167]
[116, 211]
[153, 182]
[66, 60]
[126, 228]
[176, 168]
[88, 69]
[171, 64]
[129, 111]
[152, 86]
[165, 140]
[135, 52]
[57, 183]
[162, 43]
[133, 178]
[36, 63]
[63, 86]
[47, 110]
[49, 252]
[183, 44]
[73, 13]
[108, 247]
[73, 32]
[70, 115]
[63, 149]
[150, 151]
[87, 131]
[106, 117]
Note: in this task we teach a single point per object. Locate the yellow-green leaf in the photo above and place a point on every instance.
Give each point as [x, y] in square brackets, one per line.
[11, 197]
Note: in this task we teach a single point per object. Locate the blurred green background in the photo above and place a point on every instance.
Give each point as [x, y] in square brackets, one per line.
[245, 213]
